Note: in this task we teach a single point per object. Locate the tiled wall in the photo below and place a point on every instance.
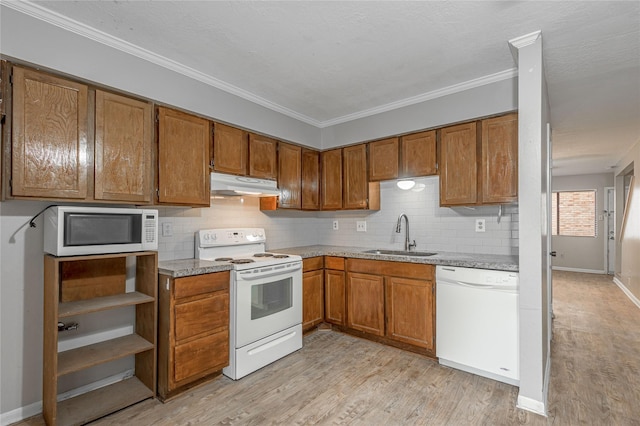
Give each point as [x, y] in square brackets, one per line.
[434, 228]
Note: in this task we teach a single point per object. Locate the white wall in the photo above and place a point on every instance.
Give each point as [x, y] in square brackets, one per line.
[583, 253]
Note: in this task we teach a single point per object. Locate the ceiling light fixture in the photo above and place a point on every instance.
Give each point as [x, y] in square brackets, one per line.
[405, 184]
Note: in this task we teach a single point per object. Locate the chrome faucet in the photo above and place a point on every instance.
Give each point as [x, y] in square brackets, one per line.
[407, 245]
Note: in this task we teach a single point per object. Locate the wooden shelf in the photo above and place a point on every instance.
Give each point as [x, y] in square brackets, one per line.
[99, 353]
[79, 307]
[100, 402]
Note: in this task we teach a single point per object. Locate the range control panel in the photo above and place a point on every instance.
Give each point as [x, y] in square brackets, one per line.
[229, 236]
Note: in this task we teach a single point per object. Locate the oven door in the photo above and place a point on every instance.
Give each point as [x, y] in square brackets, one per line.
[268, 300]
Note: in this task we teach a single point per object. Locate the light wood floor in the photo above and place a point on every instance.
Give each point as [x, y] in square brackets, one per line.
[340, 379]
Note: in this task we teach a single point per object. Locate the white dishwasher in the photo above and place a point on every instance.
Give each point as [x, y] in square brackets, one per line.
[477, 322]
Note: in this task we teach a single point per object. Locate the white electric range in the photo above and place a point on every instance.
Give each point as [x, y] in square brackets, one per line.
[265, 297]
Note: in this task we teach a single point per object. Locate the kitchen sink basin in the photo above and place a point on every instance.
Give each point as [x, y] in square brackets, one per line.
[401, 252]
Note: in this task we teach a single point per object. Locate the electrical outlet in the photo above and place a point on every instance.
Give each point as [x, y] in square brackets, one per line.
[335, 225]
[361, 226]
[480, 225]
[167, 229]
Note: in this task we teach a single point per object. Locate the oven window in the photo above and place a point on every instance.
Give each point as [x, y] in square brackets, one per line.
[270, 298]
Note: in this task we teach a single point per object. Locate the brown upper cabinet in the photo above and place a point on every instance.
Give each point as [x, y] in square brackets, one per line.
[50, 125]
[408, 156]
[289, 176]
[183, 158]
[331, 179]
[459, 165]
[479, 162]
[123, 146]
[57, 154]
[262, 157]
[356, 183]
[500, 159]
[310, 179]
[230, 150]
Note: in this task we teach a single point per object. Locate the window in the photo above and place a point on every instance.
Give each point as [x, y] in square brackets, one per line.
[573, 213]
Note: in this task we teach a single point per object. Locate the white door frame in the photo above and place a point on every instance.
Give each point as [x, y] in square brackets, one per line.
[609, 229]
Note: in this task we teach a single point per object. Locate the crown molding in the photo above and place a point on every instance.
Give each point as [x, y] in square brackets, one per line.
[515, 44]
[61, 21]
[456, 88]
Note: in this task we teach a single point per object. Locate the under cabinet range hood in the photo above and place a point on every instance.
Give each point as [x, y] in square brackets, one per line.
[230, 185]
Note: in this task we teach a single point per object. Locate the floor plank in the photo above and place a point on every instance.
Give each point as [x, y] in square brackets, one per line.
[339, 379]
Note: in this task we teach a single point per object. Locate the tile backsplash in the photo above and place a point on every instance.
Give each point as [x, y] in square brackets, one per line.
[433, 228]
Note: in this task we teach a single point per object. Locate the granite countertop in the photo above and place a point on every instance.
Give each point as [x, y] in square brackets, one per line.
[468, 260]
[189, 267]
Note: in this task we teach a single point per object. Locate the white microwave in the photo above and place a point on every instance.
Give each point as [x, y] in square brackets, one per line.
[77, 230]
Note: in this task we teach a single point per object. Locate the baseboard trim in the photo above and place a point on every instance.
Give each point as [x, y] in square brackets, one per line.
[585, 271]
[626, 291]
[532, 405]
[34, 409]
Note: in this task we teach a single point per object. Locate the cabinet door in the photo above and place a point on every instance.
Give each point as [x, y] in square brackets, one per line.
[230, 150]
[418, 154]
[356, 184]
[183, 158]
[331, 196]
[262, 157]
[289, 176]
[383, 159]
[49, 146]
[312, 298]
[310, 179]
[458, 165]
[365, 303]
[123, 145]
[410, 311]
[500, 159]
[334, 291]
[200, 357]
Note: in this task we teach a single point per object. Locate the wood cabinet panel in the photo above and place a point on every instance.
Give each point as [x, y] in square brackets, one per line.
[199, 357]
[310, 179]
[334, 297]
[410, 311]
[500, 159]
[202, 315]
[458, 165]
[365, 303]
[262, 157]
[356, 184]
[183, 158]
[123, 146]
[384, 159]
[230, 150]
[50, 131]
[312, 298]
[332, 262]
[201, 284]
[312, 263]
[331, 182]
[418, 154]
[397, 269]
[290, 176]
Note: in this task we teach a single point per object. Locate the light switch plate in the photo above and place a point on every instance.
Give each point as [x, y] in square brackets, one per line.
[480, 225]
[167, 229]
[361, 226]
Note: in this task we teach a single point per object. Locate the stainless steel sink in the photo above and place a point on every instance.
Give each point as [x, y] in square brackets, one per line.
[400, 252]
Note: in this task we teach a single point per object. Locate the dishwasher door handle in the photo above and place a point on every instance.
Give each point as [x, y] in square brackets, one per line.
[482, 286]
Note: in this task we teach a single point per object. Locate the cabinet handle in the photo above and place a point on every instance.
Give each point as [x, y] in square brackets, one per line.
[167, 284]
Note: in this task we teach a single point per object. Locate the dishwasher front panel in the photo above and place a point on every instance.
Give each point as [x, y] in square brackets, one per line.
[477, 325]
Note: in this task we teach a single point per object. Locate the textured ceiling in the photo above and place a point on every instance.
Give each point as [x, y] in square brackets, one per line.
[326, 62]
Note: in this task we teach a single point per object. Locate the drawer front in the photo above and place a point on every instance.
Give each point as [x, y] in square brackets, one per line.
[200, 284]
[331, 262]
[202, 315]
[312, 263]
[393, 269]
[202, 356]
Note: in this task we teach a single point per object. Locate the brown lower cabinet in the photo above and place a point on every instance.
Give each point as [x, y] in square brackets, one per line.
[312, 292]
[391, 302]
[193, 330]
[334, 290]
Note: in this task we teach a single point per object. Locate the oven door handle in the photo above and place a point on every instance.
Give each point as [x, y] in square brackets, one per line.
[250, 276]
